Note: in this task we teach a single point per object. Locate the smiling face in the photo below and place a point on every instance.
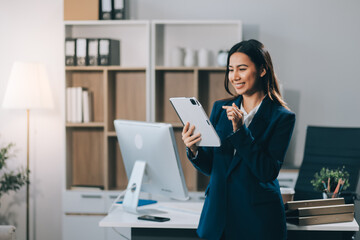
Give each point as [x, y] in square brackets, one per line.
[243, 74]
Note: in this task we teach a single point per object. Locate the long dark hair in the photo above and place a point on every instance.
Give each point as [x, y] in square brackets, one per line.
[256, 51]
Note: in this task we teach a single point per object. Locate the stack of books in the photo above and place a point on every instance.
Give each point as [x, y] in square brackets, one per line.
[319, 211]
[79, 105]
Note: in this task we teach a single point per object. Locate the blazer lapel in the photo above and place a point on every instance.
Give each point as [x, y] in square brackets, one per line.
[256, 127]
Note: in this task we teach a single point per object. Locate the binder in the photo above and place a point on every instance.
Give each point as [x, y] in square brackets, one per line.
[313, 203]
[321, 219]
[109, 52]
[70, 52]
[119, 9]
[81, 51]
[320, 210]
[92, 52]
[106, 8]
[87, 106]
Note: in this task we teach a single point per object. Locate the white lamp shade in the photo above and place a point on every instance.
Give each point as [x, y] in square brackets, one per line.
[28, 87]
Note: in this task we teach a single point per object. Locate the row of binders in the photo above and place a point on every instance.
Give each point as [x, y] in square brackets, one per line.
[319, 211]
[92, 52]
[79, 105]
[112, 9]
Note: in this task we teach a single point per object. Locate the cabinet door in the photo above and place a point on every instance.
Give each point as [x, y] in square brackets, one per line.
[118, 233]
[79, 227]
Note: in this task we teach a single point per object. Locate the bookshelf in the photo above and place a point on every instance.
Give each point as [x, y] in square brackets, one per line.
[121, 91]
[138, 89]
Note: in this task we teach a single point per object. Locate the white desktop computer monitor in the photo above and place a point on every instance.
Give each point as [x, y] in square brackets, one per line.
[151, 160]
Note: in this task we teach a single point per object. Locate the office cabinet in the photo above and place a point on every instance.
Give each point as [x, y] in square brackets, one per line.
[137, 89]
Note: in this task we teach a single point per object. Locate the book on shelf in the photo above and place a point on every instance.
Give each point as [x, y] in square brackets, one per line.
[320, 210]
[92, 58]
[321, 219]
[313, 203]
[81, 46]
[79, 105]
[87, 106]
[70, 52]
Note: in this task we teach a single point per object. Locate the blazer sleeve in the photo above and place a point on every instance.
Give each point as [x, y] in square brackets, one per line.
[204, 158]
[266, 159]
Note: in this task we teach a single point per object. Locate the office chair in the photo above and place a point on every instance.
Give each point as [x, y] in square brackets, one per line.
[330, 147]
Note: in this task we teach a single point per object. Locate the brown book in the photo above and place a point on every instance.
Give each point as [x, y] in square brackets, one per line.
[320, 210]
[313, 203]
[321, 219]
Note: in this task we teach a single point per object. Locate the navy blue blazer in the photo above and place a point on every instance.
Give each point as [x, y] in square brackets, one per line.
[243, 199]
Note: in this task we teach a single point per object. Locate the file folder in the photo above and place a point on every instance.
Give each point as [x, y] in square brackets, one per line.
[81, 51]
[70, 52]
[92, 52]
[109, 52]
[106, 8]
[119, 9]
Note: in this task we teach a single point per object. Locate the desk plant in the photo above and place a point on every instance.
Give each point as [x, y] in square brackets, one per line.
[331, 181]
[10, 180]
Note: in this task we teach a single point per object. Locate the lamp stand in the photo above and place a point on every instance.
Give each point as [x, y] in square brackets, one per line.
[27, 173]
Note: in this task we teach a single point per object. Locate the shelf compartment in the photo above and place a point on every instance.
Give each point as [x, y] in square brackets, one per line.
[172, 84]
[117, 177]
[211, 88]
[129, 33]
[94, 82]
[85, 153]
[126, 96]
[190, 173]
[168, 34]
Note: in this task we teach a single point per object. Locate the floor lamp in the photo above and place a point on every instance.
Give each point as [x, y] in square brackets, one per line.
[28, 88]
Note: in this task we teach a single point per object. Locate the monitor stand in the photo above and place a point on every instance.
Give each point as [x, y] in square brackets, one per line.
[131, 199]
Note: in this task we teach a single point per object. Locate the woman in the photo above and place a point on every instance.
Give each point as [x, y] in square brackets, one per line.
[243, 199]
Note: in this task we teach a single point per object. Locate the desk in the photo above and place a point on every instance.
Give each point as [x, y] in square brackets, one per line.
[185, 217]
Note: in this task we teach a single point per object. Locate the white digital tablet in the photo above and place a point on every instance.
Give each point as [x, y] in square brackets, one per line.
[190, 110]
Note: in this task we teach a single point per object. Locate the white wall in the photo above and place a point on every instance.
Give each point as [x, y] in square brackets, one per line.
[33, 31]
[314, 45]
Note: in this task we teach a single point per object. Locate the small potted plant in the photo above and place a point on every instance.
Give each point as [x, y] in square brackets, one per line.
[331, 181]
[10, 180]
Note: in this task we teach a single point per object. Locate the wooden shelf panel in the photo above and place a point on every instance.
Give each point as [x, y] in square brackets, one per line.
[85, 148]
[172, 84]
[86, 125]
[126, 96]
[111, 134]
[211, 88]
[190, 173]
[103, 68]
[117, 177]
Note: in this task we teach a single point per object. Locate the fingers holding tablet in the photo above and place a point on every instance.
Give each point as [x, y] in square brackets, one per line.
[189, 138]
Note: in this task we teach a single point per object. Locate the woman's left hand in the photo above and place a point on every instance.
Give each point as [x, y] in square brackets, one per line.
[235, 115]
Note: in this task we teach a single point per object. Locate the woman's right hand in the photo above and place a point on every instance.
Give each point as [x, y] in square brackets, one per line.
[189, 139]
